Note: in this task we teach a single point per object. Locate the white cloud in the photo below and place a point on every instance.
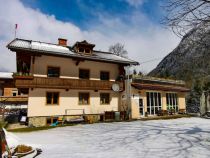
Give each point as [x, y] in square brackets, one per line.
[143, 39]
[135, 3]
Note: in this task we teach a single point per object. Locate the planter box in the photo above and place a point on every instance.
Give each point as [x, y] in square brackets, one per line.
[23, 77]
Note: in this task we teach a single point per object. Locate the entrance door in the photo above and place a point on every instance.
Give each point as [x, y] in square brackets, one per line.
[141, 107]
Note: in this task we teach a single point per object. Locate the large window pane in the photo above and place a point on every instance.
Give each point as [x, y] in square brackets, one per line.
[153, 102]
[172, 101]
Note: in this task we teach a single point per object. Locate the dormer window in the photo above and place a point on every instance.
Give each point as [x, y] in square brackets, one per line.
[83, 47]
[81, 50]
[87, 51]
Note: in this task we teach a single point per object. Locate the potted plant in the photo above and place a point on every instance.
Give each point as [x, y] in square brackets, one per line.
[23, 150]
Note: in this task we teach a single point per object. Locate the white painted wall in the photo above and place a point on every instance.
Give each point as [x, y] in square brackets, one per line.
[68, 100]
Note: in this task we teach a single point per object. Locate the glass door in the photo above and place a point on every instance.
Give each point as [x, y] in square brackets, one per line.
[154, 103]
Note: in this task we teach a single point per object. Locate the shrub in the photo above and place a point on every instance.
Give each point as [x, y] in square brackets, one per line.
[23, 149]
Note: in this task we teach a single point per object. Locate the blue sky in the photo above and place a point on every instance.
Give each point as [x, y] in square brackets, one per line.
[134, 23]
[83, 12]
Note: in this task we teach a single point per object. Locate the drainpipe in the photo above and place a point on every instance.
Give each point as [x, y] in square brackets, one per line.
[1, 151]
[128, 90]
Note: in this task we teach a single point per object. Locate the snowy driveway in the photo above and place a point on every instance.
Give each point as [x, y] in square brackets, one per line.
[186, 137]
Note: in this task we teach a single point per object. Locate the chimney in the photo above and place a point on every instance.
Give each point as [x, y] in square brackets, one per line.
[62, 42]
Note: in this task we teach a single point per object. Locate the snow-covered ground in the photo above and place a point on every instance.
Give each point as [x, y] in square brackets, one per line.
[186, 137]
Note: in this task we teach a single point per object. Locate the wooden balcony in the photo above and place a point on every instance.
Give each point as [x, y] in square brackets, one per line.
[60, 83]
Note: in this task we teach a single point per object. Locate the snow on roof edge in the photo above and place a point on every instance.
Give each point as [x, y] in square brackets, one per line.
[6, 75]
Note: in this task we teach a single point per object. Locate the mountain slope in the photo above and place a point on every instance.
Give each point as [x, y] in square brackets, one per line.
[189, 61]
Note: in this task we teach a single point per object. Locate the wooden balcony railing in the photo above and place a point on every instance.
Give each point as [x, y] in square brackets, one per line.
[60, 83]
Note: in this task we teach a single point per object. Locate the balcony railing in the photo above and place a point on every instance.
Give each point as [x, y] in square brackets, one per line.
[61, 83]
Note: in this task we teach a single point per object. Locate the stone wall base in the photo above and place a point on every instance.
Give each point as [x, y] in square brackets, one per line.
[92, 118]
[37, 121]
[42, 120]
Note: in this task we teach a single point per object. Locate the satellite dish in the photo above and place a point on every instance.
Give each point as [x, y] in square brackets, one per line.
[116, 87]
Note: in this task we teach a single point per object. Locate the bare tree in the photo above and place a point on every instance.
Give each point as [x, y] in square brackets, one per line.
[184, 15]
[134, 72]
[118, 49]
[140, 73]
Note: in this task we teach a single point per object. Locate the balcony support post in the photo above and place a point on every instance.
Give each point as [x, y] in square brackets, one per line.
[32, 67]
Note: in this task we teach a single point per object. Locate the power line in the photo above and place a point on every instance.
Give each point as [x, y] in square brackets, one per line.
[148, 61]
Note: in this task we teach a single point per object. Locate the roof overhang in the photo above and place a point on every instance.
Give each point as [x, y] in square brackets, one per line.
[159, 87]
[42, 48]
[75, 56]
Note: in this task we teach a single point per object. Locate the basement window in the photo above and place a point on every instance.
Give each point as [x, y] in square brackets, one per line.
[51, 120]
[52, 98]
[104, 98]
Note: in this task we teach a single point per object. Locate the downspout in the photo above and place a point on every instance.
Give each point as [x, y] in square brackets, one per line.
[128, 91]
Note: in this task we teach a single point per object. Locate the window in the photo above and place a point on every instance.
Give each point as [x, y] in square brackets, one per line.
[84, 74]
[153, 102]
[53, 71]
[14, 94]
[87, 51]
[52, 98]
[104, 98]
[141, 106]
[84, 98]
[104, 75]
[81, 50]
[51, 120]
[1, 92]
[172, 101]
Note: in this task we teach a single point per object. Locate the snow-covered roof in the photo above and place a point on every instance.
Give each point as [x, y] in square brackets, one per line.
[6, 75]
[159, 80]
[54, 49]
